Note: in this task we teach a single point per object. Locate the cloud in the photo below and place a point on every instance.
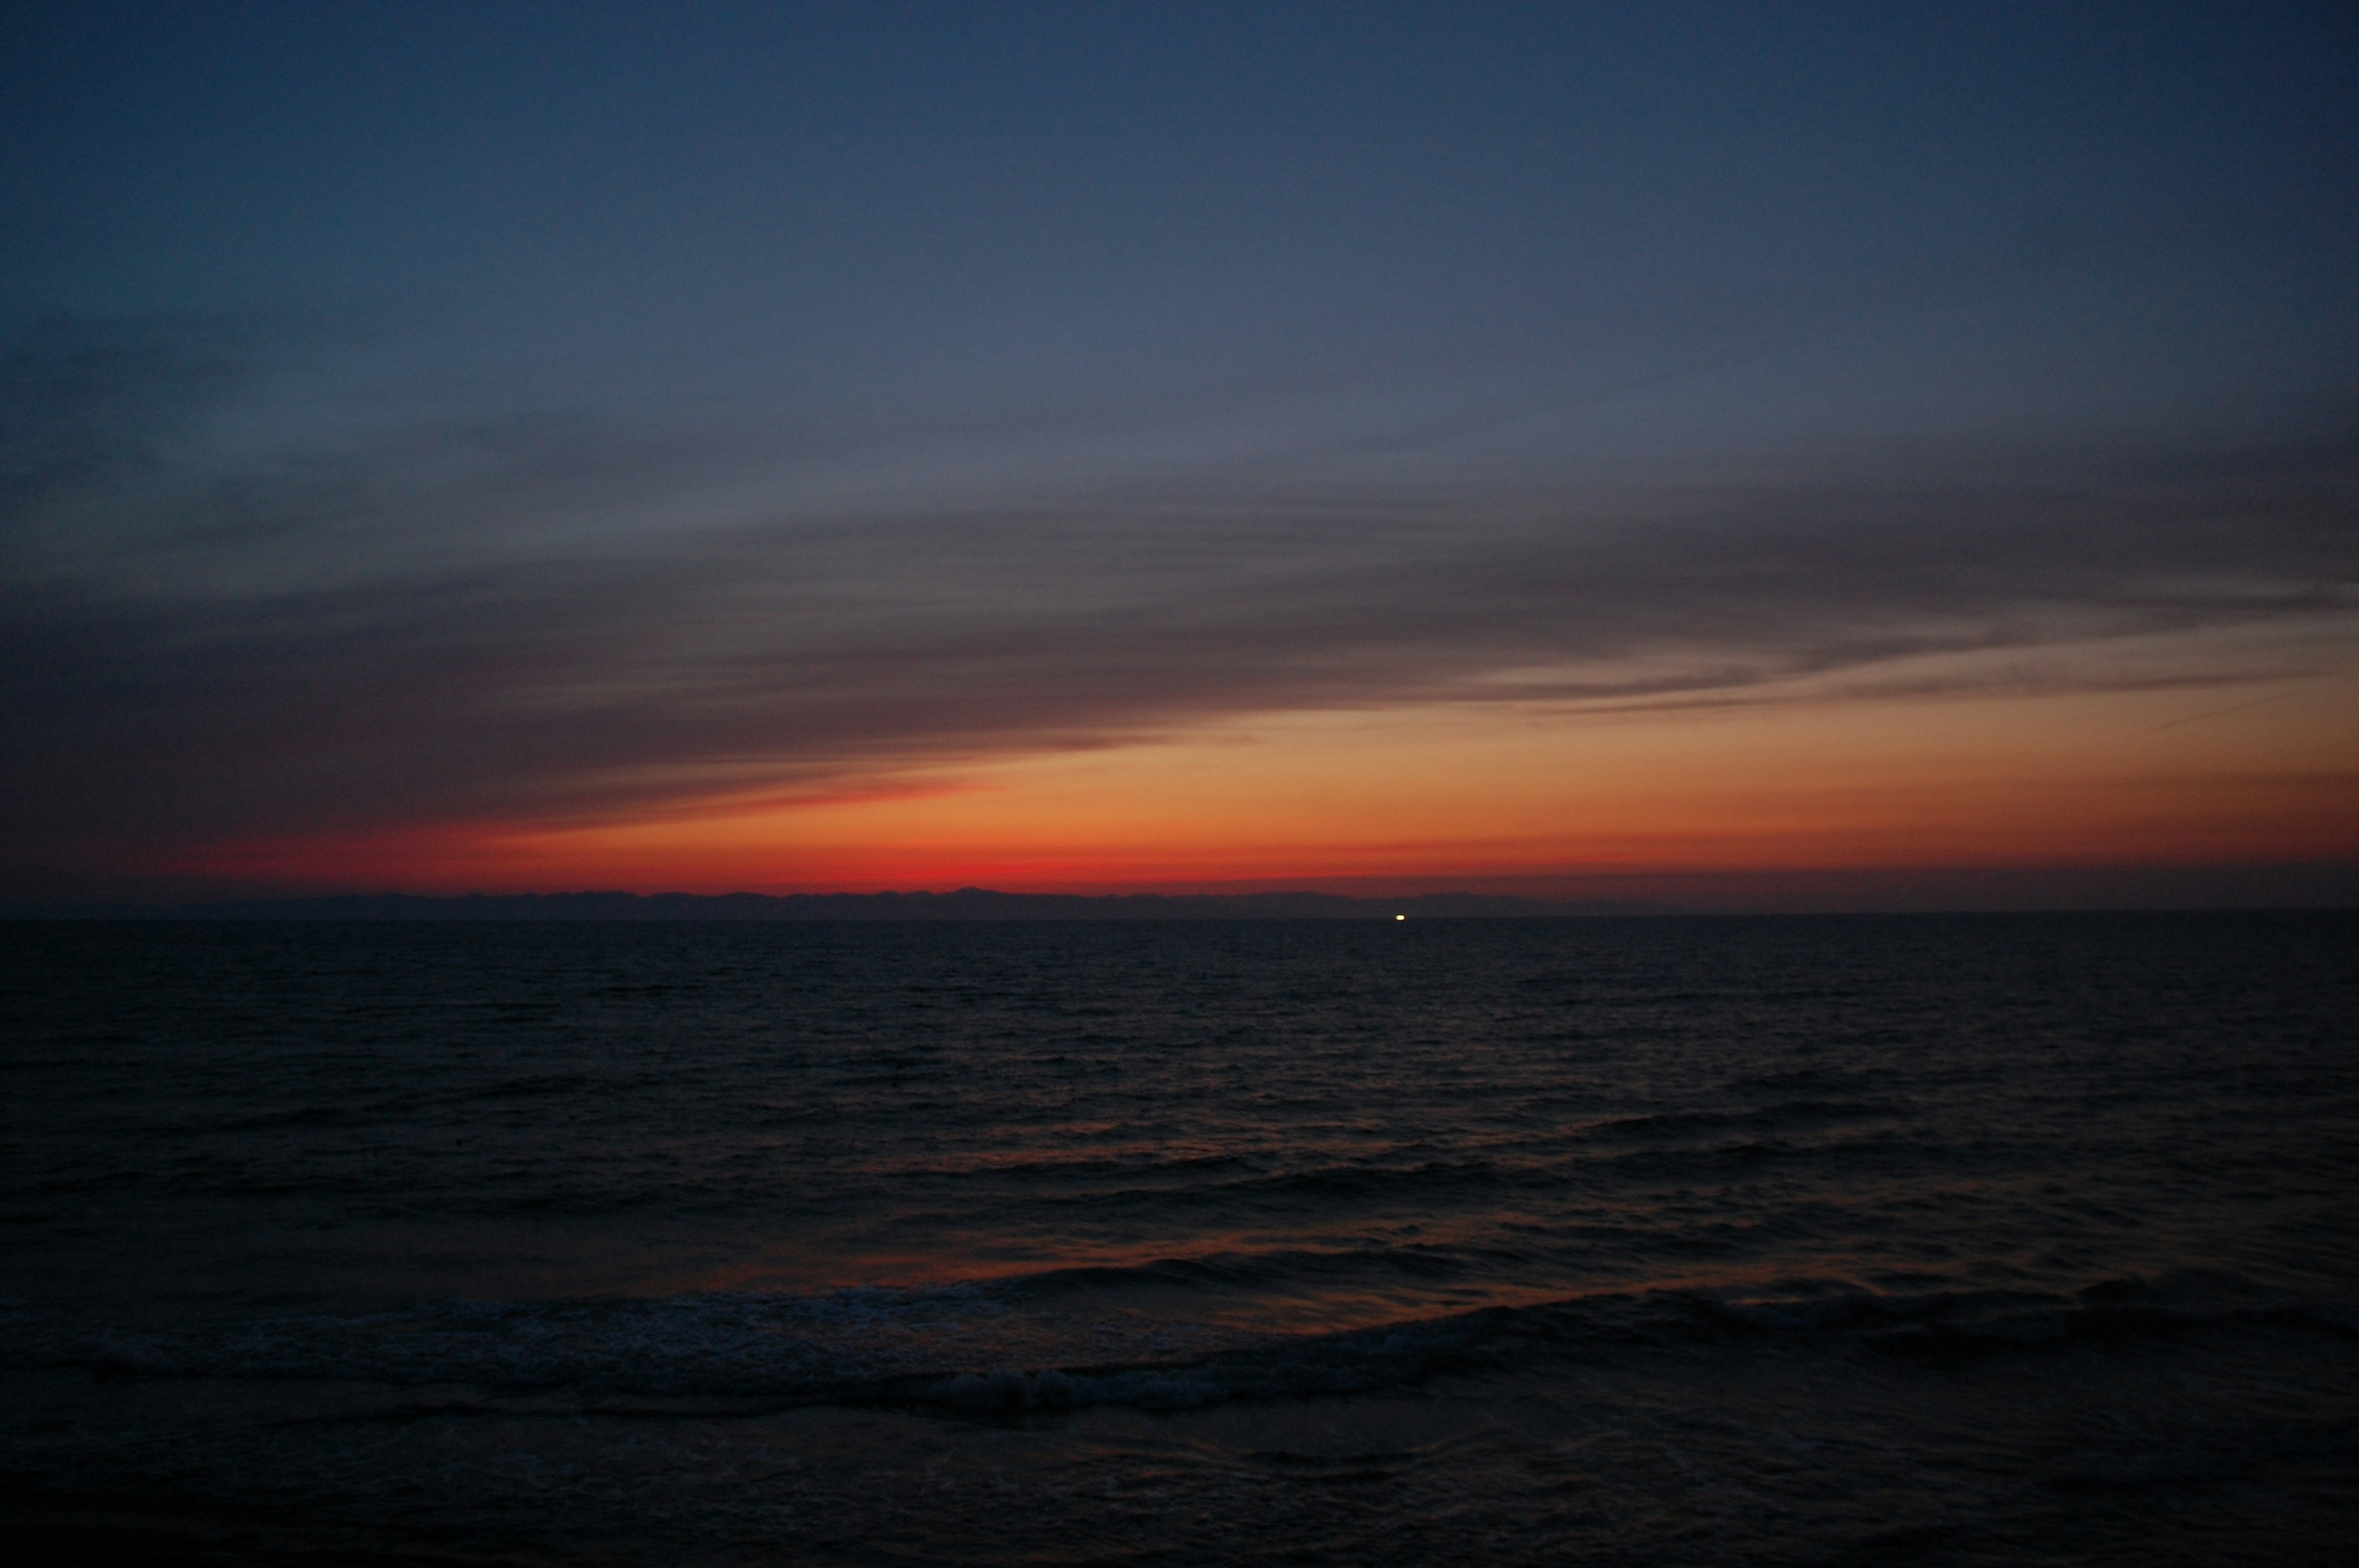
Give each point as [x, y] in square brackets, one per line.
[563, 614]
[86, 407]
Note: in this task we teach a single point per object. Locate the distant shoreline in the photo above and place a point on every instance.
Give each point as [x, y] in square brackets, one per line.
[986, 904]
[964, 904]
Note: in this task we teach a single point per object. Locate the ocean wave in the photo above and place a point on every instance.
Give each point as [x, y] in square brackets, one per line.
[1068, 1338]
[1786, 1114]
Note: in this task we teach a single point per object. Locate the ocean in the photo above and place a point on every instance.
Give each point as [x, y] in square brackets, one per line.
[1936, 1239]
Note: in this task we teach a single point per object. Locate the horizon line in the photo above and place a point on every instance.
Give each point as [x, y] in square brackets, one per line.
[2028, 891]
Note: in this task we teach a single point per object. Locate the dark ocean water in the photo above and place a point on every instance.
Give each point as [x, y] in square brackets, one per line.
[1959, 1239]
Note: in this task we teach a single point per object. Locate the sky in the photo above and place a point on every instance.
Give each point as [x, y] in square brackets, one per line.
[1905, 453]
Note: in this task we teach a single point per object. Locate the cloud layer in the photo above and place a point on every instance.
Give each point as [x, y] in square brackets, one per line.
[208, 633]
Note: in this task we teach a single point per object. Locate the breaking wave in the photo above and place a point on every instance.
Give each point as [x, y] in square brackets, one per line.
[1068, 1338]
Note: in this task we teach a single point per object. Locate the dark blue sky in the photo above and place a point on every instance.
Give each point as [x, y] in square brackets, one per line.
[1981, 215]
[543, 357]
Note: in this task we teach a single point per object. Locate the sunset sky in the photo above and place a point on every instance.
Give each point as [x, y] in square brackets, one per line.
[1543, 448]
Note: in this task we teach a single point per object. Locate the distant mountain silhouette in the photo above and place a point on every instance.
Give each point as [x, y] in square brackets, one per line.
[966, 903]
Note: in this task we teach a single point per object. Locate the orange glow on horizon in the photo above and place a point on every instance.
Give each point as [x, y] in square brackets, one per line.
[1466, 795]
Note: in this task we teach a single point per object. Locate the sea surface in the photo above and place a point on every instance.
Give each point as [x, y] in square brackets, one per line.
[1934, 1239]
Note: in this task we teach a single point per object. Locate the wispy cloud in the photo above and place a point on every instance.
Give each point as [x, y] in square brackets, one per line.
[567, 613]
